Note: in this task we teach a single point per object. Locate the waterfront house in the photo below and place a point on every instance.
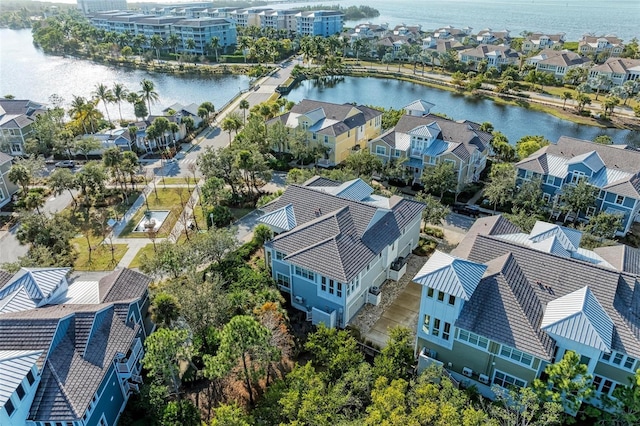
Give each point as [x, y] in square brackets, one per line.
[433, 48]
[609, 45]
[614, 170]
[495, 56]
[489, 36]
[538, 41]
[505, 304]
[426, 140]
[618, 71]
[558, 62]
[338, 128]
[180, 111]
[336, 243]
[7, 188]
[449, 32]
[70, 349]
[323, 23]
[16, 120]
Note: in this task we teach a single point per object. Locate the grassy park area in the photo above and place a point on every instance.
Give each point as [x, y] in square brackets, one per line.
[171, 199]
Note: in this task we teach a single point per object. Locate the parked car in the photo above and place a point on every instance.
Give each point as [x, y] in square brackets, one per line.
[466, 209]
[69, 164]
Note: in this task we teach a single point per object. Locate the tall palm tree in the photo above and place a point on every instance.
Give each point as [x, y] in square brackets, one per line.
[173, 41]
[119, 94]
[244, 106]
[214, 43]
[104, 94]
[156, 43]
[148, 92]
[190, 44]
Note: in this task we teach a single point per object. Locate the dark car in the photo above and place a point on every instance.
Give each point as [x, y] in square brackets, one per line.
[466, 209]
[69, 164]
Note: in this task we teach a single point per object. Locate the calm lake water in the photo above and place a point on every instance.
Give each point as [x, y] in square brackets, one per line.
[514, 122]
[573, 17]
[27, 73]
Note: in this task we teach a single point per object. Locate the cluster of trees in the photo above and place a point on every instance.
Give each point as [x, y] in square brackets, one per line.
[351, 13]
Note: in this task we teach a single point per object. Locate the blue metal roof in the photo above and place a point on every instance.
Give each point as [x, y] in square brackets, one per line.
[14, 366]
[451, 275]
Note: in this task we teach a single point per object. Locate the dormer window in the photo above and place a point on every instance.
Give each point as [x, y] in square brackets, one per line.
[577, 176]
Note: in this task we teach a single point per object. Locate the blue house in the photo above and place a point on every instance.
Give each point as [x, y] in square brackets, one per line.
[613, 169]
[336, 244]
[70, 350]
[323, 23]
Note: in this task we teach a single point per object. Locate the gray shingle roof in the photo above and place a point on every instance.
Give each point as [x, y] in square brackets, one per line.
[124, 284]
[549, 277]
[622, 257]
[337, 236]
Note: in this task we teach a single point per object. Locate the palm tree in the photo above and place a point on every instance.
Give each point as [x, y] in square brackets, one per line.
[244, 106]
[190, 44]
[565, 97]
[139, 41]
[173, 41]
[104, 94]
[119, 93]
[214, 43]
[174, 128]
[148, 92]
[244, 43]
[156, 43]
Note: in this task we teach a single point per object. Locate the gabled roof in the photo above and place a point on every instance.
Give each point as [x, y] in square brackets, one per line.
[621, 257]
[124, 284]
[356, 189]
[14, 366]
[590, 159]
[420, 105]
[282, 218]
[30, 287]
[579, 317]
[450, 275]
[567, 237]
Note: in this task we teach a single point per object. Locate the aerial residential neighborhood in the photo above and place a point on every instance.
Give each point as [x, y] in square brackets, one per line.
[264, 213]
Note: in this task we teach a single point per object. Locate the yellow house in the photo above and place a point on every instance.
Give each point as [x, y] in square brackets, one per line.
[339, 128]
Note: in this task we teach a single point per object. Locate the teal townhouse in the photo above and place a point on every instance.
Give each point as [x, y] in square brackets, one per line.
[16, 124]
[336, 244]
[505, 304]
[70, 349]
[613, 169]
[425, 140]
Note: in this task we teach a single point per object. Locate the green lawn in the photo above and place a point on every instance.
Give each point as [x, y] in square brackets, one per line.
[177, 181]
[101, 259]
[168, 199]
[146, 250]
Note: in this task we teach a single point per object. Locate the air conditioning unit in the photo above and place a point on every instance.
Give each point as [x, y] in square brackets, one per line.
[467, 371]
[483, 379]
[299, 299]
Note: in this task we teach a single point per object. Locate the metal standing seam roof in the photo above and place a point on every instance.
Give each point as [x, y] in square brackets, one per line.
[14, 366]
[578, 316]
[450, 275]
[38, 285]
[283, 218]
[569, 238]
[19, 300]
[420, 105]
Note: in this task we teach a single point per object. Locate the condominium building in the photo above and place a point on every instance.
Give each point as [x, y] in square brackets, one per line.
[92, 6]
[320, 23]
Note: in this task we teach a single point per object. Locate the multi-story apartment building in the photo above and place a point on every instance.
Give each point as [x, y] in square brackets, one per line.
[426, 140]
[247, 17]
[505, 304]
[16, 123]
[612, 169]
[336, 244]
[202, 31]
[93, 6]
[319, 23]
[339, 129]
[279, 20]
[70, 350]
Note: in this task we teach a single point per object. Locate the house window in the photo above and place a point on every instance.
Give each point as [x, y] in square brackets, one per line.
[436, 327]
[446, 331]
[606, 386]
[597, 381]
[396, 152]
[528, 174]
[323, 284]
[606, 357]
[283, 280]
[576, 176]
[619, 199]
[304, 273]
[331, 287]
[279, 255]
[506, 381]
[9, 408]
[628, 363]
[429, 292]
[618, 359]
[452, 299]
[425, 323]
[339, 289]
[20, 391]
[473, 339]
[326, 139]
[440, 296]
[546, 197]
[550, 180]
[381, 150]
[600, 195]
[516, 355]
[591, 210]
[30, 377]
[585, 360]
